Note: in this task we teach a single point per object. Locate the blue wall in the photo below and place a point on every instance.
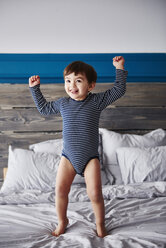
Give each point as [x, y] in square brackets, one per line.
[142, 67]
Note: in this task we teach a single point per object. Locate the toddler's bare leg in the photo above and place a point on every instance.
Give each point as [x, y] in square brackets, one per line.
[64, 178]
[94, 190]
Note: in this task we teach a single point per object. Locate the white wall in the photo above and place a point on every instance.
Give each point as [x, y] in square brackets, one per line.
[82, 26]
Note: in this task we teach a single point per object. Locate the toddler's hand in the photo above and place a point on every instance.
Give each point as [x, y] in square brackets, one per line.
[34, 80]
[118, 62]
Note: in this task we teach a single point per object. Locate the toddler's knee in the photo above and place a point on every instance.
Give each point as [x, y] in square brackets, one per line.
[62, 191]
[95, 195]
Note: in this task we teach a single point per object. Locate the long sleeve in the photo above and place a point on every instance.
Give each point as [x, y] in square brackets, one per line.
[104, 99]
[44, 107]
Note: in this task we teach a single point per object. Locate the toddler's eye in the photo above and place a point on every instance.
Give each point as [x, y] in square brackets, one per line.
[79, 80]
[67, 81]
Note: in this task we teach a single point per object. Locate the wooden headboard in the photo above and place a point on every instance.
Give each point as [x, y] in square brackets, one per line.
[141, 109]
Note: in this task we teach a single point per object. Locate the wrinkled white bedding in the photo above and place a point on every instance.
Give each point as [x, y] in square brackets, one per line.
[135, 217]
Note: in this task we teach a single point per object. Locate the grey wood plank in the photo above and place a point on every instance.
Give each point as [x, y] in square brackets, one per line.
[133, 118]
[1, 177]
[113, 118]
[3, 163]
[137, 94]
[18, 95]
[28, 120]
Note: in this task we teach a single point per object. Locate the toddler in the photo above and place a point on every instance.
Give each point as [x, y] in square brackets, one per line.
[80, 112]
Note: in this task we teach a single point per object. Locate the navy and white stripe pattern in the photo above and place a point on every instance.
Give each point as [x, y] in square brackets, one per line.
[81, 120]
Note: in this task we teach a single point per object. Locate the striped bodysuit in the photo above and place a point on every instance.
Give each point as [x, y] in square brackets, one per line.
[81, 120]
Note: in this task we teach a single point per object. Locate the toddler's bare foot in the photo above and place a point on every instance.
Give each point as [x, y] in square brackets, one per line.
[60, 228]
[101, 231]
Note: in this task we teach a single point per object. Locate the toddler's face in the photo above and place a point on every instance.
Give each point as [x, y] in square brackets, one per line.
[77, 86]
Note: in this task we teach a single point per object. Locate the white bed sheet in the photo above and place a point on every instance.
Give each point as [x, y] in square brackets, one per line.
[135, 217]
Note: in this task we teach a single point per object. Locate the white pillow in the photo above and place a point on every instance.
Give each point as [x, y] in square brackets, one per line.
[29, 170]
[142, 164]
[112, 140]
[49, 146]
[113, 174]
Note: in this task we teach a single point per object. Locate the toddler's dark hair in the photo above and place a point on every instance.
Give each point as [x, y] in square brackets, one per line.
[83, 68]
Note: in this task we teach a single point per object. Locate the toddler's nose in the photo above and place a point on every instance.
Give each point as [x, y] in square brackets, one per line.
[73, 85]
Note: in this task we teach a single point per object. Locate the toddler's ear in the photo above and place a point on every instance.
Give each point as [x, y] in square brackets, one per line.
[92, 86]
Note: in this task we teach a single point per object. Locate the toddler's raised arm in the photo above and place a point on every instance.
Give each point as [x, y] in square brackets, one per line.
[44, 107]
[104, 99]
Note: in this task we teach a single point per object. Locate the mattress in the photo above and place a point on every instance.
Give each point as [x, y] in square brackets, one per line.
[135, 217]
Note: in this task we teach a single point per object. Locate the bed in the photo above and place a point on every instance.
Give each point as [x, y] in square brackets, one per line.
[132, 151]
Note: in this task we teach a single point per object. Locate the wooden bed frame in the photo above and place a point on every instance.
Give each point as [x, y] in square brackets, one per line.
[141, 109]
[4, 172]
